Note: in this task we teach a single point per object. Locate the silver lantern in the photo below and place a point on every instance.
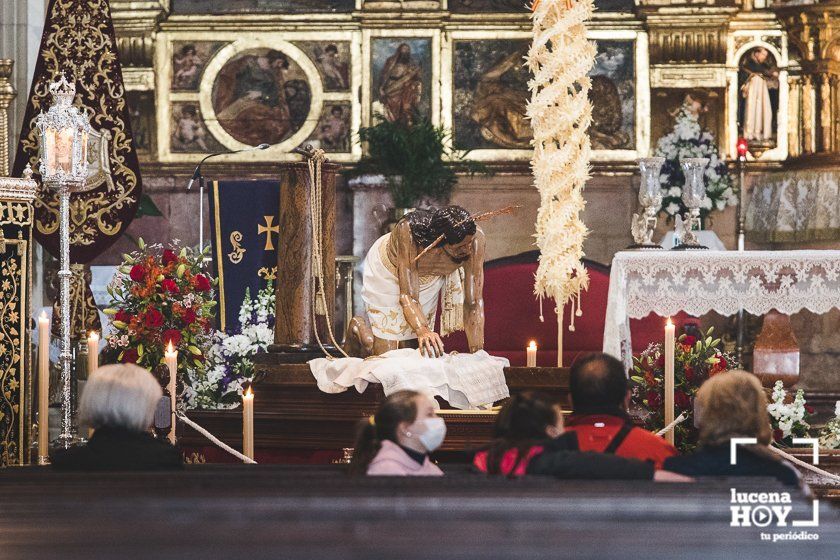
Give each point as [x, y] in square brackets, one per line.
[64, 132]
[650, 197]
[693, 195]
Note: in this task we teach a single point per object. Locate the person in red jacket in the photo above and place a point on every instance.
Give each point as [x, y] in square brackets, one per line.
[600, 399]
[530, 441]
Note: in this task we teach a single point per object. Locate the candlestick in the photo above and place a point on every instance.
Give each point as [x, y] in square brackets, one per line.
[669, 378]
[171, 358]
[248, 423]
[93, 352]
[531, 353]
[43, 388]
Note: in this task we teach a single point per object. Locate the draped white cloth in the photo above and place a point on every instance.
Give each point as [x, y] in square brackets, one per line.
[465, 381]
[697, 282]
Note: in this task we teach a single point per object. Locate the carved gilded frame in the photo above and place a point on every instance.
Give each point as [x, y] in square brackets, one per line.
[738, 43]
[239, 42]
[642, 82]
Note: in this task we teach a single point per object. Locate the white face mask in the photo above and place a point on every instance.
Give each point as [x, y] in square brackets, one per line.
[434, 433]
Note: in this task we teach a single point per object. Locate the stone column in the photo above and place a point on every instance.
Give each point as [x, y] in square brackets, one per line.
[7, 95]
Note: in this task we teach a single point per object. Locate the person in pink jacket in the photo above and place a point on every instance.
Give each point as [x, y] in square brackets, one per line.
[397, 440]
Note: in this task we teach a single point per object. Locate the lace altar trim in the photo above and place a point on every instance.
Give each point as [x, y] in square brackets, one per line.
[697, 282]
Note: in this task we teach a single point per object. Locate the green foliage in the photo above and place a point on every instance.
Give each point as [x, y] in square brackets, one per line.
[416, 160]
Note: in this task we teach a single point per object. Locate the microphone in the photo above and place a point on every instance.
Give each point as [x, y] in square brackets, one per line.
[197, 173]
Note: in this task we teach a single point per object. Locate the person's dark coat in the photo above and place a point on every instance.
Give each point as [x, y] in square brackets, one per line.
[750, 461]
[561, 458]
[115, 449]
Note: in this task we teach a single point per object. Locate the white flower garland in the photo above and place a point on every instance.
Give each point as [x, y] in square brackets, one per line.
[560, 59]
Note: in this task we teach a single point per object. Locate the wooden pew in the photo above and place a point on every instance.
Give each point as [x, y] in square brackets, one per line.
[318, 512]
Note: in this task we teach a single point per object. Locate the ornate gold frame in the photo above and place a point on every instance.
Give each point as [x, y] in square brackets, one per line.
[640, 62]
[237, 43]
[757, 38]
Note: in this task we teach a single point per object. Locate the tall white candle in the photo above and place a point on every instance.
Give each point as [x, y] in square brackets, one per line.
[531, 354]
[248, 423]
[43, 388]
[669, 377]
[93, 352]
[171, 358]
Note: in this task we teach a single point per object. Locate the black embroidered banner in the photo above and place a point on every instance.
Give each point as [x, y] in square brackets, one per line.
[79, 42]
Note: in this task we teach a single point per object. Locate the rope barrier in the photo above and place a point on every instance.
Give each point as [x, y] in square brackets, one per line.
[215, 440]
[804, 465]
[677, 421]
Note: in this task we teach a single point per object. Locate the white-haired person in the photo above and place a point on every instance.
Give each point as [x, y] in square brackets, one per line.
[733, 405]
[119, 403]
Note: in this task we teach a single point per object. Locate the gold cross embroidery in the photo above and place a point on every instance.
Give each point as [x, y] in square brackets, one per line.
[268, 229]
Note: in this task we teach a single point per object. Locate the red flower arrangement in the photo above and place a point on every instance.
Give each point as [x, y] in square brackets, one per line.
[695, 360]
[157, 297]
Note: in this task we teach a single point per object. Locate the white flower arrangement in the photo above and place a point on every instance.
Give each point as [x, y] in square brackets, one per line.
[229, 360]
[789, 420]
[830, 434]
[688, 140]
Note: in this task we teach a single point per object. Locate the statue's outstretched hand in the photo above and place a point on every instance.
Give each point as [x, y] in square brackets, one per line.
[430, 342]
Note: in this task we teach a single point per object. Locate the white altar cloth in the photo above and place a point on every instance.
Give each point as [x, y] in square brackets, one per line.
[697, 282]
[465, 381]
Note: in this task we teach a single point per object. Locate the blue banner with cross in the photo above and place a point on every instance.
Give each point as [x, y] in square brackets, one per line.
[244, 232]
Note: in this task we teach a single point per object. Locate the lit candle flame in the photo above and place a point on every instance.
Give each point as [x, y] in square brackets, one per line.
[93, 336]
[249, 393]
[169, 348]
[43, 317]
[670, 324]
[532, 345]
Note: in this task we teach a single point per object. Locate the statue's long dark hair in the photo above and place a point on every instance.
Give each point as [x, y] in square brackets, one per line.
[427, 225]
[399, 407]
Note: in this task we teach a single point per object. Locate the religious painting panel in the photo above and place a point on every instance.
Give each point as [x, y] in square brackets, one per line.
[613, 96]
[189, 58]
[332, 58]
[401, 77]
[515, 6]
[758, 98]
[261, 96]
[203, 7]
[490, 93]
[189, 133]
[333, 131]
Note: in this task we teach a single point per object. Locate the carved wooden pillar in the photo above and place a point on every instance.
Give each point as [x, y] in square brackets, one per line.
[835, 112]
[807, 115]
[794, 110]
[825, 113]
[294, 331]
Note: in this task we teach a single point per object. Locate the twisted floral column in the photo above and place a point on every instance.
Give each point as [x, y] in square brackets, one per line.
[560, 59]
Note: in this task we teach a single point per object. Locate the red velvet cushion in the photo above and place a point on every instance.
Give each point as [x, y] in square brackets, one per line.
[512, 316]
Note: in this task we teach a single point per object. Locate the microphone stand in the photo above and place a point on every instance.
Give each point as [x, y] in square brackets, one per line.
[197, 175]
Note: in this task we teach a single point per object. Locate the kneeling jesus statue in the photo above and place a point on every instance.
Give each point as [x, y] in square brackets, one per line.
[401, 292]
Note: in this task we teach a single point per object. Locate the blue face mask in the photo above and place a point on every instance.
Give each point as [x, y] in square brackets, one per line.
[434, 434]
